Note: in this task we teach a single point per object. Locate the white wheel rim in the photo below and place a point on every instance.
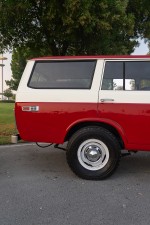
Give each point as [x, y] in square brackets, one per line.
[93, 154]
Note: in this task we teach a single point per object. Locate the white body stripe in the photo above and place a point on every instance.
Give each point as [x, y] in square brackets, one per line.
[26, 94]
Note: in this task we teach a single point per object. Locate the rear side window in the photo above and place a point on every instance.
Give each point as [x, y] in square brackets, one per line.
[126, 75]
[62, 74]
[113, 76]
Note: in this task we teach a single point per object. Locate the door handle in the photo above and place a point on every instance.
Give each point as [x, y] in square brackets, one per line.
[107, 100]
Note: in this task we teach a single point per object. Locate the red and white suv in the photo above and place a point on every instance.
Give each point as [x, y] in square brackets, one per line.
[100, 105]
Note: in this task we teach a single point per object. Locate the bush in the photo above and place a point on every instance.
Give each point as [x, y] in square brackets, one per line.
[7, 101]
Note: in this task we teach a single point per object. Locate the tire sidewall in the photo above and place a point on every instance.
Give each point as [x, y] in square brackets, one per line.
[93, 133]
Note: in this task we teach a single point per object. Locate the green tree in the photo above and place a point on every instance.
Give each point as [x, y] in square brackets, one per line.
[8, 93]
[141, 13]
[19, 60]
[68, 27]
[17, 66]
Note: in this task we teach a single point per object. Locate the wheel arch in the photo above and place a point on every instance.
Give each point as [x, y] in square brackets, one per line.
[113, 128]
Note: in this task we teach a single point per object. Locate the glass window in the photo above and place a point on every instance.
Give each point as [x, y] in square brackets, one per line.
[129, 84]
[126, 76]
[113, 76]
[62, 74]
[144, 84]
[140, 73]
[137, 70]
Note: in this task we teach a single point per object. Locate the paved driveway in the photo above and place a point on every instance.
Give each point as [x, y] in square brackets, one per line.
[38, 188]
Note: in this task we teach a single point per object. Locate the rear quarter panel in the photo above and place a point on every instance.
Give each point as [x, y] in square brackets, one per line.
[58, 108]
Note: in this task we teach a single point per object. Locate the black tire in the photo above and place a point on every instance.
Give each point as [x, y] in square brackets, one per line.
[93, 153]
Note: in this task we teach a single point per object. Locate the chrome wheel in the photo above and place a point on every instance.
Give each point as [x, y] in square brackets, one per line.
[93, 154]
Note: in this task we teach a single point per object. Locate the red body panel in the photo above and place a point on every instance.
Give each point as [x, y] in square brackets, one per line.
[133, 119]
[50, 124]
[53, 120]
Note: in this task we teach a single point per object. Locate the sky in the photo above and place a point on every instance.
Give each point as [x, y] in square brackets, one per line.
[141, 50]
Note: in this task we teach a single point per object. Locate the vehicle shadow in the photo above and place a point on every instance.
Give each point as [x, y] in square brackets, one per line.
[136, 164]
[54, 161]
[48, 161]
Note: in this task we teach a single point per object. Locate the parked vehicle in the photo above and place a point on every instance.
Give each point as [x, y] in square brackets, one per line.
[100, 105]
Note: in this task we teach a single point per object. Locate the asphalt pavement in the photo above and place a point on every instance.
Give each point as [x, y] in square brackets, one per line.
[38, 188]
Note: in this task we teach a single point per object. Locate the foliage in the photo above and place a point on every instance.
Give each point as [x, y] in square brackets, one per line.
[74, 27]
[8, 93]
[7, 101]
[19, 60]
[141, 12]
[70, 27]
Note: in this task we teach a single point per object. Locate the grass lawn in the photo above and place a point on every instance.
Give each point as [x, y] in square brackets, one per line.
[7, 122]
